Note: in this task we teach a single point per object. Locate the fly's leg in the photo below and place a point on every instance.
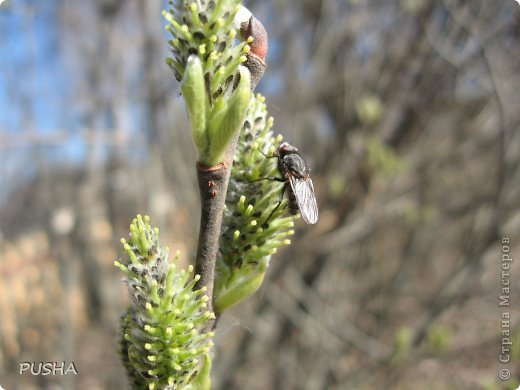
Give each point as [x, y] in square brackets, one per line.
[266, 156]
[272, 178]
[264, 225]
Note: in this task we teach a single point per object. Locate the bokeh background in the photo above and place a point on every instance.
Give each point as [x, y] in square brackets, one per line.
[408, 113]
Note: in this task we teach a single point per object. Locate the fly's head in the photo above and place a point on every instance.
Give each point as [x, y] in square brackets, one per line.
[286, 148]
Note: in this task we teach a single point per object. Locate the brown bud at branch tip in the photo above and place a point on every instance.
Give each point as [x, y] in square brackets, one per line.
[256, 57]
[253, 28]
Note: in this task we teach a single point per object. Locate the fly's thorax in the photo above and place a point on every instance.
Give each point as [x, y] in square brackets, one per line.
[293, 164]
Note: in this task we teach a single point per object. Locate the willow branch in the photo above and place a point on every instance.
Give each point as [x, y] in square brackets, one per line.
[213, 182]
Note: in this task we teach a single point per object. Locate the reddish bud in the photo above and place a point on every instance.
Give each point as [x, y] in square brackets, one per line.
[253, 28]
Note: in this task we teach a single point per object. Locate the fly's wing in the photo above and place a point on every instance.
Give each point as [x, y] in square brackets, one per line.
[304, 193]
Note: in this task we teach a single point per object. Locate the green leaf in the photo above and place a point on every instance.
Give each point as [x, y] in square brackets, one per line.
[240, 287]
[193, 89]
[203, 379]
[228, 118]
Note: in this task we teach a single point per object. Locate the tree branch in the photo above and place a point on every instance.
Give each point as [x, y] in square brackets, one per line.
[213, 183]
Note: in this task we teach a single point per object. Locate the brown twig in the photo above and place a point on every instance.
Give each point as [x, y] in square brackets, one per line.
[213, 182]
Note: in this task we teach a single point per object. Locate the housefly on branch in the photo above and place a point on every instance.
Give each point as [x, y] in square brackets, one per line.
[297, 182]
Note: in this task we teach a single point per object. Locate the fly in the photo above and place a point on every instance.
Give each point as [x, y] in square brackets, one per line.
[297, 182]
